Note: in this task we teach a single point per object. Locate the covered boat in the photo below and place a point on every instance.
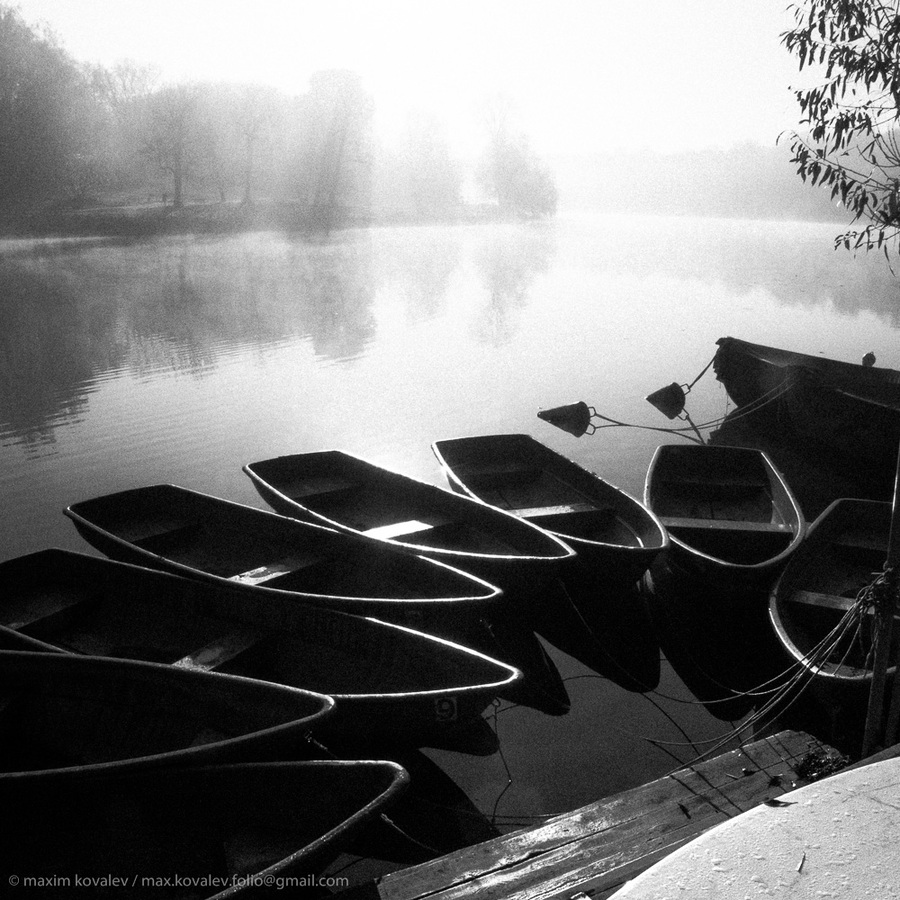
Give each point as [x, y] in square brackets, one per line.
[728, 510]
[813, 606]
[65, 715]
[218, 831]
[390, 682]
[851, 409]
[612, 532]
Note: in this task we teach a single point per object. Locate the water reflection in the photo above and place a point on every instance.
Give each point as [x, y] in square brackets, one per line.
[43, 358]
[508, 262]
[74, 313]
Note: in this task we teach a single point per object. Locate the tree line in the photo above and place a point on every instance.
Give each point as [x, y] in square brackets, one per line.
[75, 135]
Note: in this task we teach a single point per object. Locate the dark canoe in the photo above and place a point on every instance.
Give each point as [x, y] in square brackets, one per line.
[729, 512]
[389, 682]
[77, 714]
[197, 832]
[844, 550]
[196, 535]
[853, 410]
[610, 530]
[343, 491]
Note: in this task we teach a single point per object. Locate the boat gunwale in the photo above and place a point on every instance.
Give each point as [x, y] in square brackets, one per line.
[434, 551]
[625, 501]
[202, 752]
[348, 603]
[835, 673]
[512, 674]
[797, 526]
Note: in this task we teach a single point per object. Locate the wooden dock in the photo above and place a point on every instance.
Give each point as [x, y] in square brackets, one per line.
[591, 852]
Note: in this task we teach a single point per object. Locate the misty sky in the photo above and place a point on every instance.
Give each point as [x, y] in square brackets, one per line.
[586, 74]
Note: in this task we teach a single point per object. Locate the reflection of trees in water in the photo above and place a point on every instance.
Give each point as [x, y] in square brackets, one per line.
[336, 295]
[509, 261]
[71, 312]
[416, 265]
[44, 354]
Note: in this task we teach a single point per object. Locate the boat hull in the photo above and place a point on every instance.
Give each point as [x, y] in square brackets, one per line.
[235, 546]
[211, 832]
[390, 683]
[342, 491]
[851, 411]
[70, 715]
[615, 536]
[729, 512]
[843, 552]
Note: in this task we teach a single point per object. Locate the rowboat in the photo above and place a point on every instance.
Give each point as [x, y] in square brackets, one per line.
[276, 557]
[195, 832]
[342, 491]
[729, 512]
[815, 597]
[610, 530]
[388, 681]
[851, 409]
[65, 715]
[200, 536]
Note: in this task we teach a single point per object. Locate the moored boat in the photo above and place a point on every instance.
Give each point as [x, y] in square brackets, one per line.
[611, 531]
[241, 830]
[813, 605]
[342, 491]
[728, 510]
[389, 682]
[197, 535]
[851, 409]
[65, 715]
[276, 557]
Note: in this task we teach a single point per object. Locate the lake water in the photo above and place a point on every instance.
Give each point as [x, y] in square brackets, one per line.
[180, 359]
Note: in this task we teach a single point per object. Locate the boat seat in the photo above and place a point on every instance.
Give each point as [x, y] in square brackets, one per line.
[736, 480]
[322, 486]
[269, 571]
[152, 525]
[44, 609]
[397, 529]
[724, 524]
[877, 542]
[393, 530]
[824, 601]
[490, 476]
[827, 601]
[163, 541]
[221, 650]
[535, 512]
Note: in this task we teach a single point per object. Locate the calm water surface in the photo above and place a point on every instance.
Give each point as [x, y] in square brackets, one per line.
[181, 359]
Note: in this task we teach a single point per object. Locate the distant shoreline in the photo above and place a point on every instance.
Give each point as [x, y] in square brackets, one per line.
[152, 219]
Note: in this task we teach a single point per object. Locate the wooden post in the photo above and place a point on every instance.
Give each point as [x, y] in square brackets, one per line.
[874, 733]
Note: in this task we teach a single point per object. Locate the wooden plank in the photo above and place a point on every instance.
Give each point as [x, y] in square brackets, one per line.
[827, 601]
[599, 846]
[397, 529]
[535, 512]
[494, 475]
[723, 524]
[41, 608]
[316, 486]
[267, 572]
[220, 651]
